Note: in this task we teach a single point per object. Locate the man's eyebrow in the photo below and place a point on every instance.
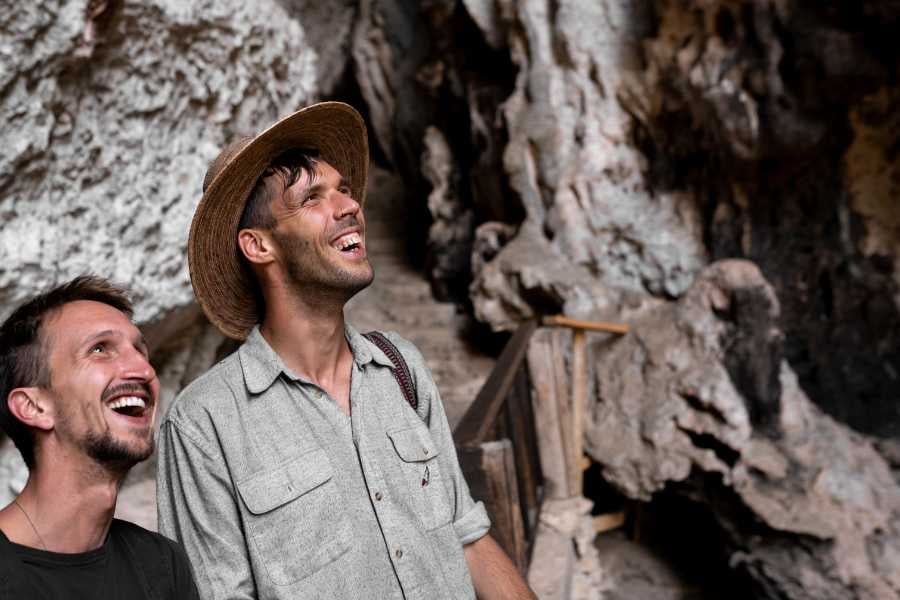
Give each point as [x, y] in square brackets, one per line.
[141, 341]
[100, 334]
[312, 190]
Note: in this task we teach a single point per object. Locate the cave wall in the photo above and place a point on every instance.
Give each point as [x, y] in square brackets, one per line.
[640, 141]
[781, 119]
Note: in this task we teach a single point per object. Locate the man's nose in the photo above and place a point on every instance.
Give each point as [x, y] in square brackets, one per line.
[345, 206]
[137, 366]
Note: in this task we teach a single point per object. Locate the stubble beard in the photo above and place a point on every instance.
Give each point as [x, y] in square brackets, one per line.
[309, 274]
[115, 454]
[107, 451]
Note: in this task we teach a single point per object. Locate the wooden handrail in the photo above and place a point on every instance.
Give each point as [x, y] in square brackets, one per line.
[561, 321]
[479, 419]
[497, 439]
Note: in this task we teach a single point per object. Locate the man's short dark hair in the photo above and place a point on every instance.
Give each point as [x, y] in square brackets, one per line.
[290, 165]
[23, 351]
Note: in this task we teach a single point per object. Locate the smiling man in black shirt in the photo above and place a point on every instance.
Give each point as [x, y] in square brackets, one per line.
[78, 397]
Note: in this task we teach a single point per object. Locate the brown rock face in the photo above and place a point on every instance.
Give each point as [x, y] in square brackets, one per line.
[697, 399]
[781, 119]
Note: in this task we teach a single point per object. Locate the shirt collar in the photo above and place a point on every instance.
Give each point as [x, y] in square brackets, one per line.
[262, 366]
[365, 351]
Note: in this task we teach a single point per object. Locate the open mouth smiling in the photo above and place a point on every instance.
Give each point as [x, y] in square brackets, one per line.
[129, 406]
[129, 400]
[349, 243]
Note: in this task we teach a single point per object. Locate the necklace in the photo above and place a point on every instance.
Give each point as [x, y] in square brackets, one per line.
[30, 522]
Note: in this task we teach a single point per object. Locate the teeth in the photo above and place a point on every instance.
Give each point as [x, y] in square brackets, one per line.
[346, 241]
[127, 401]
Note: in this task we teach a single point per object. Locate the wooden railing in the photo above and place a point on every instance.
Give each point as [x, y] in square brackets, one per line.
[498, 439]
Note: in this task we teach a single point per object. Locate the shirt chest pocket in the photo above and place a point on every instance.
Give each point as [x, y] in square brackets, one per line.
[421, 472]
[294, 517]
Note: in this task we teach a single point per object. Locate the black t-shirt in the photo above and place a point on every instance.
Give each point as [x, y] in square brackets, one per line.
[133, 563]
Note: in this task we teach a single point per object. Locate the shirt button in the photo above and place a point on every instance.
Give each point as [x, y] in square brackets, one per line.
[378, 496]
[398, 553]
[425, 451]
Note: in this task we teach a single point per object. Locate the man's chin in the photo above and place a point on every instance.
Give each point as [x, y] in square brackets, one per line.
[117, 453]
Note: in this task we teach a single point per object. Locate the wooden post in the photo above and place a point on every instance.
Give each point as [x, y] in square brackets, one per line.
[491, 473]
[564, 405]
[579, 405]
[521, 433]
[546, 405]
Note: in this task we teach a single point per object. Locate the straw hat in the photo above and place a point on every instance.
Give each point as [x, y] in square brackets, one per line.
[225, 289]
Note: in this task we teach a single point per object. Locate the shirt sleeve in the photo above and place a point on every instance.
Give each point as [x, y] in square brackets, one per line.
[197, 507]
[470, 519]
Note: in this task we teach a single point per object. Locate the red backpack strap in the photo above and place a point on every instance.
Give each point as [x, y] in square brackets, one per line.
[400, 370]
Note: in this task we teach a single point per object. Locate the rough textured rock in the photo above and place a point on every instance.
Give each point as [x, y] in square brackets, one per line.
[780, 119]
[328, 29]
[697, 398]
[115, 118]
[452, 228]
[425, 67]
[644, 138]
[570, 160]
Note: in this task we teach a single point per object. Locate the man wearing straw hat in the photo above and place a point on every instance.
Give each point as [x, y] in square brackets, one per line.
[314, 462]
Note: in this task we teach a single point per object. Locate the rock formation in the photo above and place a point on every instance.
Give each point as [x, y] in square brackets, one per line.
[644, 139]
[698, 399]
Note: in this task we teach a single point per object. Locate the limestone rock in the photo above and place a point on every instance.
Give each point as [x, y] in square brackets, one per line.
[780, 119]
[452, 228]
[115, 118]
[698, 393]
[570, 160]
[328, 28]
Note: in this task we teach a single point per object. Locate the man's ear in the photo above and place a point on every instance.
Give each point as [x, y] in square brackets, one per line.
[256, 246]
[29, 405]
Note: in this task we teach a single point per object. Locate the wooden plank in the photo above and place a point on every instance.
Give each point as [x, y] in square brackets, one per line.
[579, 405]
[561, 321]
[489, 470]
[559, 342]
[527, 471]
[545, 407]
[608, 521]
[473, 428]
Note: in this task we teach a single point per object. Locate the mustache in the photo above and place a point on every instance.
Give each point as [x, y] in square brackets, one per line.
[131, 387]
[348, 221]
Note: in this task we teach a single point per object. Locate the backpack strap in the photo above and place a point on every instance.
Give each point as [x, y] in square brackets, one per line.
[400, 370]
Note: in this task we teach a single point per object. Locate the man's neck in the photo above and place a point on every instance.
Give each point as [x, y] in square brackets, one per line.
[309, 338]
[63, 508]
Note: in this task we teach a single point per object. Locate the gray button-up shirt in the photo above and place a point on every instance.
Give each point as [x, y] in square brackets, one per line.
[275, 493]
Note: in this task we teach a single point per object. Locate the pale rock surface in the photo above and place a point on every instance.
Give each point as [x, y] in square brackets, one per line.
[328, 29]
[699, 388]
[114, 122]
[570, 160]
[453, 224]
[779, 118]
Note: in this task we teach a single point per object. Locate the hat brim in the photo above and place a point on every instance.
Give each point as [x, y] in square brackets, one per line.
[223, 287]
